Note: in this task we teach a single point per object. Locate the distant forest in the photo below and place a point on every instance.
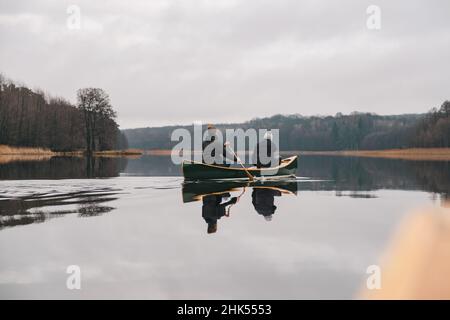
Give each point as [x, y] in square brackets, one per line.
[357, 131]
[31, 118]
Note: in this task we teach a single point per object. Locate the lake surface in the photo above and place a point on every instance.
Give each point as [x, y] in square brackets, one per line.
[136, 231]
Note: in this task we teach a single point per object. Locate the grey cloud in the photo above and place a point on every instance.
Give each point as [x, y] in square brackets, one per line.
[173, 61]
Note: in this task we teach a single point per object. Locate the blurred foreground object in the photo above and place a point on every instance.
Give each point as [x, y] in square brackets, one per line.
[417, 263]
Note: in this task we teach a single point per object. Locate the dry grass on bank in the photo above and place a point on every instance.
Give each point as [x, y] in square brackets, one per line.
[4, 159]
[14, 154]
[158, 152]
[22, 151]
[119, 153]
[20, 154]
[431, 154]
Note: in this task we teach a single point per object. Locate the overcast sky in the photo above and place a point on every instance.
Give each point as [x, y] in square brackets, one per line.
[179, 61]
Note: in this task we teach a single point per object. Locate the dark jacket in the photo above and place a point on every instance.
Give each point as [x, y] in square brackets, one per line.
[221, 159]
[269, 152]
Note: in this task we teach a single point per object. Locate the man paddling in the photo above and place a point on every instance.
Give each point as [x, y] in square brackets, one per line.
[266, 153]
[210, 143]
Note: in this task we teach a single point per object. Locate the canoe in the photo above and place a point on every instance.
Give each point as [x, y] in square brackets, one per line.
[193, 170]
[195, 191]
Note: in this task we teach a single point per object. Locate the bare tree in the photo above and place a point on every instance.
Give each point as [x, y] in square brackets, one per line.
[96, 109]
[33, 118]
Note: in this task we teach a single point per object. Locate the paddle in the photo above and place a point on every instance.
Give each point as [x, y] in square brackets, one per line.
[237, 200]
[227, 144]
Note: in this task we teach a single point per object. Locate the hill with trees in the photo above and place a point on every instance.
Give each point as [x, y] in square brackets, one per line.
[356, 131]
[341, 132]
[434, 129]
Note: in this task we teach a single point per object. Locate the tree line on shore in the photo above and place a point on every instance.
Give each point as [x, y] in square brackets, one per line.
[356, 131]
[434, 129]
[32, 118]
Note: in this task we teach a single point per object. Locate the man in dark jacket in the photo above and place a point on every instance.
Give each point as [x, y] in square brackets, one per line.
[266, 153]
[219, 160]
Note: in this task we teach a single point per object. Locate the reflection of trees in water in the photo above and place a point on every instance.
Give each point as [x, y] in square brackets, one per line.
[345, 173]
[364, 174]
[42, 207]
[153, 166]
[93, 210]
[63, 168]
[103, 167]
[434, 177]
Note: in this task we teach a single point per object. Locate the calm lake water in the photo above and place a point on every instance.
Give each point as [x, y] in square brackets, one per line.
[136, 231]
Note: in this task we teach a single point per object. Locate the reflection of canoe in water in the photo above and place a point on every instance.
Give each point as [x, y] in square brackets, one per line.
[193, 170]
[195, 191]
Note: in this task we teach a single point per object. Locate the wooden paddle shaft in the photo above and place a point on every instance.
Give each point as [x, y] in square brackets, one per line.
[239, 160]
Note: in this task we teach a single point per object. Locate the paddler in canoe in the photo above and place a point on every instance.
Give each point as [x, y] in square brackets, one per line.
[266, 153]
[266, 157]
[217, 159]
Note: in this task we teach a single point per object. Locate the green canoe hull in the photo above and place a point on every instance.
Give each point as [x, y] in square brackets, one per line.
[193, 170]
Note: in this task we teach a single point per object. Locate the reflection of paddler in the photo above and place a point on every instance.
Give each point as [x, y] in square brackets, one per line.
[213, 209]
[263, 200]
